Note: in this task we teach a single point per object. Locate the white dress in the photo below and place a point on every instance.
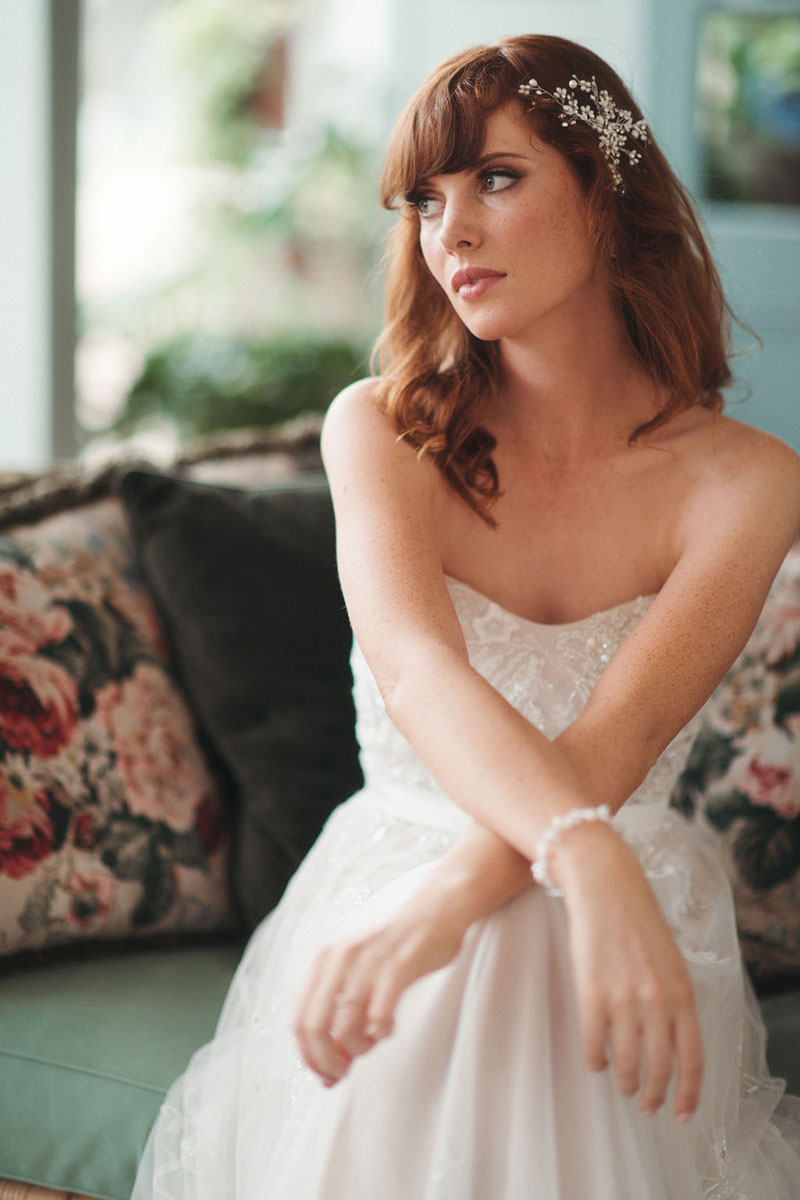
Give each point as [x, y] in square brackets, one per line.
[482, 1092]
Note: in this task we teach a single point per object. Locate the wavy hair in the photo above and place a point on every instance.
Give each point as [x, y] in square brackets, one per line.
[436, 377]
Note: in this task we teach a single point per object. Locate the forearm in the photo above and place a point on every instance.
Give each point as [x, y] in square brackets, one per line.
[478, 874]
[481, 872]
[495, 764]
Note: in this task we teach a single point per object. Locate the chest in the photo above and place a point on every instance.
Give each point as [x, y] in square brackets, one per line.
[565, 544]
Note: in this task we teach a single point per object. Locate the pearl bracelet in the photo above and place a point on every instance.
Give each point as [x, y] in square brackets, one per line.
[556, 829]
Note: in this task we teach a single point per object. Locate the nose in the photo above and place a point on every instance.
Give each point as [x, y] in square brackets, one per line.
[458, 229]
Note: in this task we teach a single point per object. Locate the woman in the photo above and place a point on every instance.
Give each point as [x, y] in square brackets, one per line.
[547, 432]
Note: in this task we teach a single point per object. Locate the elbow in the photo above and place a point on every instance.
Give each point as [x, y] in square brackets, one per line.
[645, 752]
[418, 679]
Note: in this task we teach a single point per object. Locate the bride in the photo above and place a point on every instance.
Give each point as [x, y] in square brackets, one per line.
[552, 545]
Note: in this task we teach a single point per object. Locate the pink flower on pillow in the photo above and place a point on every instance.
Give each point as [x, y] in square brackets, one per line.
[770, 776]
[164, 777]
[26, 831]
[38, 699]
[26, 609]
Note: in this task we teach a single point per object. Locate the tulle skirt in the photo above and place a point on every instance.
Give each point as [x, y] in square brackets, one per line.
[481, 1093]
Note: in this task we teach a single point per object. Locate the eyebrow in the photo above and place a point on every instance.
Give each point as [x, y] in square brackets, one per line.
[485, 158]
[475, 166]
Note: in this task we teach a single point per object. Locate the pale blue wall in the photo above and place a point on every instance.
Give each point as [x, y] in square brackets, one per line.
[757, 248]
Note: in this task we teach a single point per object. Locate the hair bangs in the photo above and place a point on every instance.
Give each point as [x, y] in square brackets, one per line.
[443, 127]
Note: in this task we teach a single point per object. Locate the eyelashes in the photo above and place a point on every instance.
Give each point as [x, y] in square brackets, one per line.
[499, 173]
[417, 198]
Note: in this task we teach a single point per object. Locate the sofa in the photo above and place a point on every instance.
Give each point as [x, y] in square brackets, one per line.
[175, 726]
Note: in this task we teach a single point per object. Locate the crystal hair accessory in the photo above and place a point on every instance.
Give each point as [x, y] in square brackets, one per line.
[559, 825]
[613, 125]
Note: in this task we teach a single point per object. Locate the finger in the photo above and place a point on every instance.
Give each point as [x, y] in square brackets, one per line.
[689, 1048]
[384, 1000]
[322, 1052]
[301, 1026]
[348, 1026]
[594, 1031]
[626, 1046]
[313, 1025]
[659, 1055]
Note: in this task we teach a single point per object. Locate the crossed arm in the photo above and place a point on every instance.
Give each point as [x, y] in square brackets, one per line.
[634, 994]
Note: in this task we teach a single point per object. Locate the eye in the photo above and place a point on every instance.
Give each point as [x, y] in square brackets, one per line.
[426, 206]
[498, 180]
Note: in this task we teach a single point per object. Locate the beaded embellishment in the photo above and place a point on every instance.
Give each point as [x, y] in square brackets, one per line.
[559, 825]
[614, 126]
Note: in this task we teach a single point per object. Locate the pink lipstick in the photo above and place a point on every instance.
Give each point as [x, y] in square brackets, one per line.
[472, 282]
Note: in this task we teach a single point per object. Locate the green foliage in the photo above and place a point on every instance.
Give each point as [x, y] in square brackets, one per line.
[225, 49]
[205, 383]
[749, 81]
[278, 232]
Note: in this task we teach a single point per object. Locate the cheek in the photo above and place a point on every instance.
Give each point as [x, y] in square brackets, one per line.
[433, 259]
[426, 249]
[560, 238]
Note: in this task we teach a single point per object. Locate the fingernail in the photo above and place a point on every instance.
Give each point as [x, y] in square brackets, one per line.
[685, 1117]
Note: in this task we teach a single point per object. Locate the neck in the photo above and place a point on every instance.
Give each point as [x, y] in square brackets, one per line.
[574, 388]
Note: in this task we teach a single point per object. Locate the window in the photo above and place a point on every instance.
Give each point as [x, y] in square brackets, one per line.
[749, 103]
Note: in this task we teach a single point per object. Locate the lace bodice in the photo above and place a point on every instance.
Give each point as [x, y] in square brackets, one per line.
[545, 671]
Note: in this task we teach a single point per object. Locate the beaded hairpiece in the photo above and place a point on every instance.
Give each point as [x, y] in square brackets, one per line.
[613, 125]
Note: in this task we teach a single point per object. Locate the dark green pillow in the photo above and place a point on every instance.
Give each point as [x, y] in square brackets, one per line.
[247, 586]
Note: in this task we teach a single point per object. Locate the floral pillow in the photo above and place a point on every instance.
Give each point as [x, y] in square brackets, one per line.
[742, 782]
[110, 824]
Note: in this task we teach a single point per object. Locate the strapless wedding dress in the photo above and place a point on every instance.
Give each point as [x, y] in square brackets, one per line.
[482, 1092]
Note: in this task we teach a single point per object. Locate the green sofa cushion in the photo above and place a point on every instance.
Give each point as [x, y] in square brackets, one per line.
[88, 1049]
[782, 1016]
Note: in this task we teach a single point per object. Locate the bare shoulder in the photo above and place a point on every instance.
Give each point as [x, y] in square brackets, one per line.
[741, 501]
[353, 411]
[754, 463]
[753, 446]
[732, 459]
[359, 437]
[388, 552]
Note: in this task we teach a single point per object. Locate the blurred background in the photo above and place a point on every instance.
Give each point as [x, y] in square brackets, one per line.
[189, 229]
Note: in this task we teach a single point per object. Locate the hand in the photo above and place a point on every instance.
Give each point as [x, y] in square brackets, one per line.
[349, 1002]
[634, 991]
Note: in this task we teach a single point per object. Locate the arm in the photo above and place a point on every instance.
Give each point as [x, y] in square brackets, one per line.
[727, 546]
[407, 628]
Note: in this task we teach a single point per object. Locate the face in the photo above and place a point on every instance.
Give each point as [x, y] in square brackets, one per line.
[508, 240]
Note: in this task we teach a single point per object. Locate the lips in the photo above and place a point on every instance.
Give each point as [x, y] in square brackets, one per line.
[472, 275]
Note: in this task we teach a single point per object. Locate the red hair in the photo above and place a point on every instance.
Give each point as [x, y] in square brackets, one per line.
[436, 376]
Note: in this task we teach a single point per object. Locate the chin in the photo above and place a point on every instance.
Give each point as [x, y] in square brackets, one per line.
[492, 329]
[487, 326]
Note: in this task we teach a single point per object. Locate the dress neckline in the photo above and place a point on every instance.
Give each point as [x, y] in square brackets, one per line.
[555, 625]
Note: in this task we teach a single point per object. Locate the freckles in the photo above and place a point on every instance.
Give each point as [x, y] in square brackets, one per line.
[432, 263]
[567, 236]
